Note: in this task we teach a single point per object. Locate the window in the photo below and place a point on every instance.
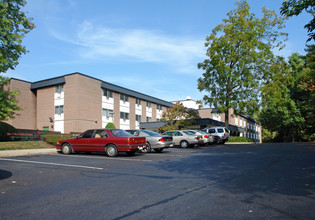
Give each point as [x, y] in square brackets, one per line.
[138, 101]
[220, 130]
[149, 104]
[212, 131]
[124, 98]
[120, 133]
[149, 119]
[101, 134]
[107, 112]
[138, 118]
[88, 134]
[59, 110]
[107, 93]
[59, 89]
[159, 107]
[124, 115]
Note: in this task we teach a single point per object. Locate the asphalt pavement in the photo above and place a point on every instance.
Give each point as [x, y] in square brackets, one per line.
[267, 181]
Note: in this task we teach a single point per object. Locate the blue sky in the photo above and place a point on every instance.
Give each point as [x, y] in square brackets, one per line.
[152, 47]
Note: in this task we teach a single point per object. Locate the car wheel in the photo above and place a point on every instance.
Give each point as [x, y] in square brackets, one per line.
[148, 149]
[158, 150]
[111, 150]
[130, 153]
[184, 144]
[66, 149]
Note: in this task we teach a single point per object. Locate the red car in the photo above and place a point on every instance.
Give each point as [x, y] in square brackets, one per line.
[110, 141]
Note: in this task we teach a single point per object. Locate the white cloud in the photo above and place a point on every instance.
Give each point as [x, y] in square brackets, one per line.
[136, 45]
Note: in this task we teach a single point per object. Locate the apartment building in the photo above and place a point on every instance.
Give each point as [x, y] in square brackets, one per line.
[77, 102]
[239, 125]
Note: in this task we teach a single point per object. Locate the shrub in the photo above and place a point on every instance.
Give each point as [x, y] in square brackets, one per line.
[4, 129]
[240, 139]
[110, 125]
[53, 139]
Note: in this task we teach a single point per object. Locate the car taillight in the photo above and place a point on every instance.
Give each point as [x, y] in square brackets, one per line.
[224, 134]
[206, 136]
[197, 138]
[162, 139]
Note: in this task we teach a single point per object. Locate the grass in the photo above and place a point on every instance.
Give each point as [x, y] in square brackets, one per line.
[240, 139]
[18, 145]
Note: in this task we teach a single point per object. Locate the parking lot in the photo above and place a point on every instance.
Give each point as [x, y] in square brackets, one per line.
[213, 182]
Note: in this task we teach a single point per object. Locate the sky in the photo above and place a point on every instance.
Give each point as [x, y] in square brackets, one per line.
[149, 46]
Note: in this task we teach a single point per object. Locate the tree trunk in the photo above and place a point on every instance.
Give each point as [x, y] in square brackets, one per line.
[227, 119]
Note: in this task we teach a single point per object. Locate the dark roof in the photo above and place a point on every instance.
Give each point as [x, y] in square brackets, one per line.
[105, 85]
[136, 94]
[48, 82]
[197, 121]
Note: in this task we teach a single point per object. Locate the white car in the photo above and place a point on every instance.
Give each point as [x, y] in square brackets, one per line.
[221, 134]
[206, 137]
[184, 138]
[155, 141]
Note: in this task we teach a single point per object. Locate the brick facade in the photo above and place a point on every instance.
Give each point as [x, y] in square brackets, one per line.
[74, 103]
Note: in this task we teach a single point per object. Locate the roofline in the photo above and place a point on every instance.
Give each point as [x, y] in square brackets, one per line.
[19, 80]
[61, 80]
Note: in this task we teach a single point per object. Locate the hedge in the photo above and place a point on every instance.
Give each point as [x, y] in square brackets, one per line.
[54, 138]
[240, 139]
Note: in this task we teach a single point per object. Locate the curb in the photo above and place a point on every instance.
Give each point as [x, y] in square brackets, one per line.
[14, 153]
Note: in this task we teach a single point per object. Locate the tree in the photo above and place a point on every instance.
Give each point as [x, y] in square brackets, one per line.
[177, 117]
[287, 108]
[305, 93]
[283, 116]
[13, 26]
[8, 102]
[295, 7]
[240, 53]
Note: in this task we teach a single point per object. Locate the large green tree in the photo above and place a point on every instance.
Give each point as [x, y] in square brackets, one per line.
[178, 117]
[295, 7]
[240, 53]
[288, 99]
[13, 26]
[280, 113]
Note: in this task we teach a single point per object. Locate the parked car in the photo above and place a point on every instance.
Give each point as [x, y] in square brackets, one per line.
[206, 137]
[155, 141]
[110, 141]
[184, 138]
[220, 134]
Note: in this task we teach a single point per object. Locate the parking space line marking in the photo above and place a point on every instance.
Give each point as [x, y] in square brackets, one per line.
[54, 164]
[109, 158]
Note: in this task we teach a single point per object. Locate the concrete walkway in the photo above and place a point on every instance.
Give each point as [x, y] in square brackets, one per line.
[15, 153]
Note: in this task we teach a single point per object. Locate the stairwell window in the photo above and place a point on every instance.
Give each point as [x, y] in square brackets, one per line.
[59, 110]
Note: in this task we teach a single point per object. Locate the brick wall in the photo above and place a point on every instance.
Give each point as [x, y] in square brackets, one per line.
[45, 107]
[26, 118]
[83, 103]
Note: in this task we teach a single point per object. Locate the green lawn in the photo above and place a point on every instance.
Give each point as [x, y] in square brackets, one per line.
[16, 145]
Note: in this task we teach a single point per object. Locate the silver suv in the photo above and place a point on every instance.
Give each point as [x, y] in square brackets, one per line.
[219, 134]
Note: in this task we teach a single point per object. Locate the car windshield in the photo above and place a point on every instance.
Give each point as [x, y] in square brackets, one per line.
[120, 133]
[151, 133]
